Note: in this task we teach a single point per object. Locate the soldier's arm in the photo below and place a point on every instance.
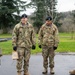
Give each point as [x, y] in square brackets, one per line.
[14, 36]
[33, 36]
[40, 37]
[56, 36]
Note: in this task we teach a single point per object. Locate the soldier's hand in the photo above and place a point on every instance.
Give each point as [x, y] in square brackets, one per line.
[54, 48]
[33, 46]
[39, 46]
[14, 48]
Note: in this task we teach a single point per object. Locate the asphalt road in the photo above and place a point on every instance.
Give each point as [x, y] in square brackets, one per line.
[63, 64]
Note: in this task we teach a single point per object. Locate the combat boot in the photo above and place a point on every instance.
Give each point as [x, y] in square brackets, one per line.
[26, 73]
[45, 71]
[18, 73]
[72, 72]
[51, 71]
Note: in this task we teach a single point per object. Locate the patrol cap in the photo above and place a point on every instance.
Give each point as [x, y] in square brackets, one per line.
[24, 16]
[49, 18]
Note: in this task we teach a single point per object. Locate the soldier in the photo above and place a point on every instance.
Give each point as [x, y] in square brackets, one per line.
[48, 40]
[23, 39]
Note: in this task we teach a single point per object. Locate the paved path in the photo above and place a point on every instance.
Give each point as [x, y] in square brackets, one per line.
[63, 64]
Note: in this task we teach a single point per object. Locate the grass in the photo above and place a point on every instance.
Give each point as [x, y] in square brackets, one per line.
[66, 44]
[6, 47]
[5, 35]
[66, 34]
[66, 47]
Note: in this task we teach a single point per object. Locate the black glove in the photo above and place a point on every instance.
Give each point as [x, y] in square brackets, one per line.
[39, 46]
[14, 48]
[33, 46]
[54, 48]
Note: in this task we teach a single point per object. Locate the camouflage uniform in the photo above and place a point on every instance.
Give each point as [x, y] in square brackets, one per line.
[23, 37]
[48, 38]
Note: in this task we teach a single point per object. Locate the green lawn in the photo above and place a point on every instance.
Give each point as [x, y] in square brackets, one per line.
[66, 44]
[6, 47]
[5, 35]
[66, 34]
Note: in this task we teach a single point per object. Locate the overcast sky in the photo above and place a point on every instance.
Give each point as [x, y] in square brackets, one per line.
[65, 5]
[62, 6]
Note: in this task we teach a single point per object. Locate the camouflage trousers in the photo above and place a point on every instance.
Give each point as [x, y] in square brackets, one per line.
[24, 56]
[48, 52]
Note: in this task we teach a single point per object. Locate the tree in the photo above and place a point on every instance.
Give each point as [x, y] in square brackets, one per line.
[50, 8]
[44, 8]
[73, 27]
[39, 13]
[7, 8]
[73, 13]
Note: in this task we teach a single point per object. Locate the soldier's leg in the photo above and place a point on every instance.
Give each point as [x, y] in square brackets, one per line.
[19, 61]
[26, 61]
[51, 60]
[45, 59]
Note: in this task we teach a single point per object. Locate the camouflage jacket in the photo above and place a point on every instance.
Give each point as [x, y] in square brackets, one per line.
[23, 35]
[48, 35]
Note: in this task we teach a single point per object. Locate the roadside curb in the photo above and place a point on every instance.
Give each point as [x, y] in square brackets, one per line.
[65, 53]
[59, 53]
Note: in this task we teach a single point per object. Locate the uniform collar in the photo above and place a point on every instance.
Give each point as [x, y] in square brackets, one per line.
[49, 25]
[21, 25]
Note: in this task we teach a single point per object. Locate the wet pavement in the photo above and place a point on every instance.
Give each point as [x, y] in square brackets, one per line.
[63, 64]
